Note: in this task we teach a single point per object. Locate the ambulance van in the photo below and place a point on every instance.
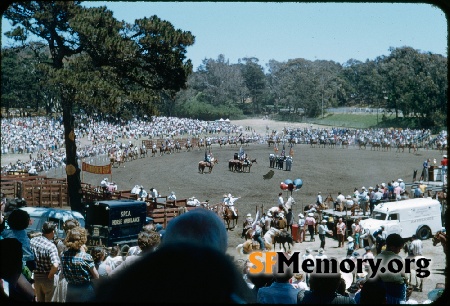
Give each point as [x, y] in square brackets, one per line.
[419, 216]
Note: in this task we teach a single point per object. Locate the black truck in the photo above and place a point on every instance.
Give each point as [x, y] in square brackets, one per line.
[114, 222]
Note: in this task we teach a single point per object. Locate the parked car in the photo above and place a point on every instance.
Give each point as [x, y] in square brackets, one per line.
[39, 215]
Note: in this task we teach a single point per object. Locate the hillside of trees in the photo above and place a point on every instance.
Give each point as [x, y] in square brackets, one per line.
[406, 81]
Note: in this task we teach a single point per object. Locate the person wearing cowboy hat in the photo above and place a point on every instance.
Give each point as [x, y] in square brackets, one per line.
[281, 223]
[350, 246]
[402, 185]
[323, 230]
[172, 196]
[310, 222]
[301, 228]
[247, 224]
[321, 254]
[142, 195]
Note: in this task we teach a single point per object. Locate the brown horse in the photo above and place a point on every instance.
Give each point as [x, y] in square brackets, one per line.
[327, 203]
[188, 146]
[442, 238]
[113, 160]
[229, 217]
[143, 152]
[202, 165]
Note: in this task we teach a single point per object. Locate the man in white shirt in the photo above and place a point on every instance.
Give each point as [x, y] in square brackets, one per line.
[416, 247]
[340, 201]
[280, 199]
[319, 200]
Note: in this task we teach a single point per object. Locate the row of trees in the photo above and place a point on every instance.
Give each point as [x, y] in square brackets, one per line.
[86, 59]
[406, 81]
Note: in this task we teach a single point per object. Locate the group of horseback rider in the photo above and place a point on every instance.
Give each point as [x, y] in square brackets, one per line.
[275, 218]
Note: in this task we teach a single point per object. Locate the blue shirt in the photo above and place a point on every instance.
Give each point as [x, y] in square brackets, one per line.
[278, 293]
[22, 236]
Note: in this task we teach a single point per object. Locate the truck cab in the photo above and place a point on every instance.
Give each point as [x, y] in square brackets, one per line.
[114, 222]
[419, 216]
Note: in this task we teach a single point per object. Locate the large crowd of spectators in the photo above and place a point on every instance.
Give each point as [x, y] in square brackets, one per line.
[41, 139]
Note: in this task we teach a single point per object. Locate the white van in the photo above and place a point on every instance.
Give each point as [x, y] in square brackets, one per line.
[419, 216]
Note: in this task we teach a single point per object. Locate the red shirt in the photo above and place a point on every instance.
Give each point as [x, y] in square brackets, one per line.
[444, 162]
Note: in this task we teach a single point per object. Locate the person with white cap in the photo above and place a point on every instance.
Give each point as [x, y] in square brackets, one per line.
[319, 199]
[380, 236]
[402, 185]
[363, 199]
[142, 194]
[301, 228]
[172, 196]
[104, 183]
[397, 191]
[229, 201]
[247, 224]
[323, 230]
[350, 246]
[310, 222]
[321, 254]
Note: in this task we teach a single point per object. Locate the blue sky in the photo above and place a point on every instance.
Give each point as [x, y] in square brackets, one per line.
[282, 31]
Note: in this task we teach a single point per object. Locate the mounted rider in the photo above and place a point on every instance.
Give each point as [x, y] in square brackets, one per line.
[247, 225]
[208, 158]
[257, 233]
[229, 201]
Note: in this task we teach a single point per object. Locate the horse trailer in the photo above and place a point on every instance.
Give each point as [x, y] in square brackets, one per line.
[419, 216]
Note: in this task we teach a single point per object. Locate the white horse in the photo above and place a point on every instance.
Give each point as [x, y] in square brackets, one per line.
[286, 206]
[270, 234]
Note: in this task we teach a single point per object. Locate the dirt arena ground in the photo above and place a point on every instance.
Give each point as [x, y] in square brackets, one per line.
[321, 169]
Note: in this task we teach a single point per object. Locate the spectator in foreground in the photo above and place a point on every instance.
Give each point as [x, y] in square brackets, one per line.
[372, 292]
[181, 272]
[148, 241]
[280, 291]
[18, 221]
[200, 226]
[395, 283]
[78, 267]
[14, 287]
[47, 262]
[323, 290]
